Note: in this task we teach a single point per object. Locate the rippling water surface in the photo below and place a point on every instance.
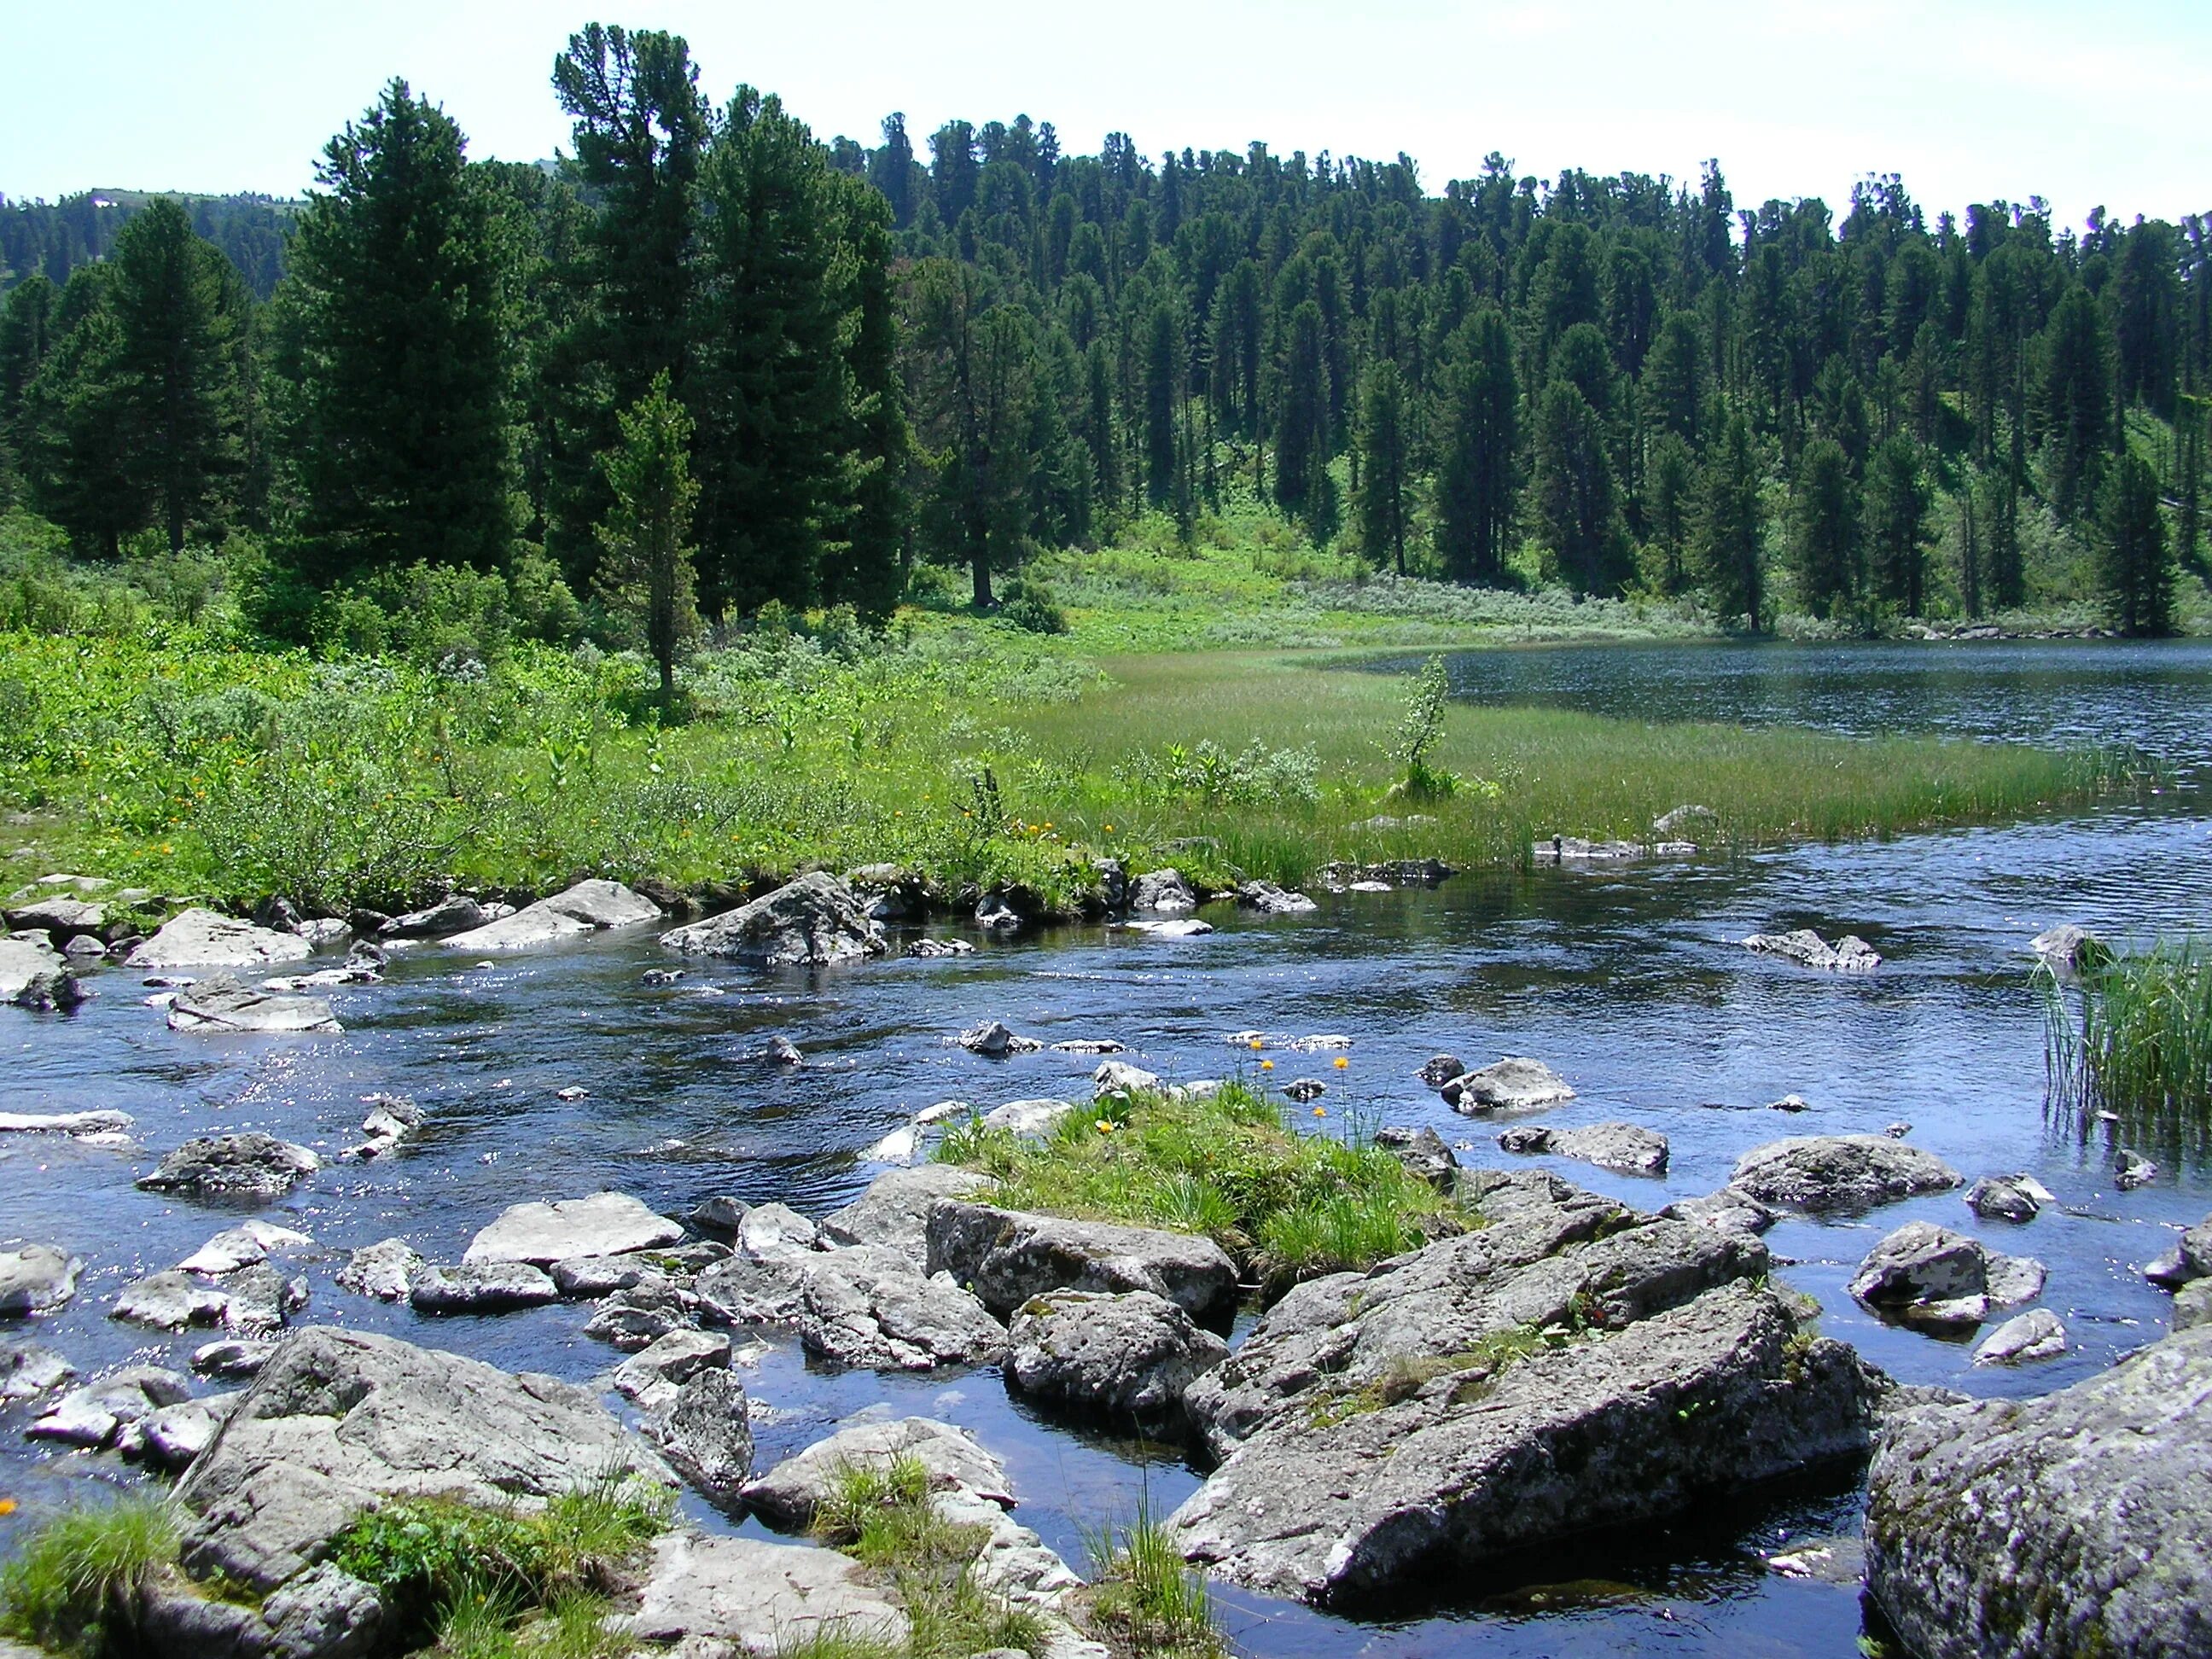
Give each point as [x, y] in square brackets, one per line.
[1631, 982]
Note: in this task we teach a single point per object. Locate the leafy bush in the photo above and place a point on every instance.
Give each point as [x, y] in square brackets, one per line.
[1419, 727]
[1029, 605]
[1256, 775]
[72, 1586]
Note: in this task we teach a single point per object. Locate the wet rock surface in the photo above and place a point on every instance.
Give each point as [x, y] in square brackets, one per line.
[589, 907]
[37, 1278]
[541, 1233]
[1821, 1173]
[241, 1167]
[1128, 1355]
[1849, 955]
[864, 1306]
[2078, 1522]
[207, 938]
[894, 1212]
[812, 922]
[220, 1003]
[1512, 1085]
[1008, 1256]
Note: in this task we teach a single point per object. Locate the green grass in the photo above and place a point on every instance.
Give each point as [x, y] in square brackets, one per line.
[1286, 1206]
[70, 1589]
[2136, 1040]
[882, 1516]
[477, 1577]
[1145, 1601]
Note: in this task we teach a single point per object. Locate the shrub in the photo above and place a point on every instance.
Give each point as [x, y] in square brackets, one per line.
[72, 1587]
[1029, 605]
[1418, 729]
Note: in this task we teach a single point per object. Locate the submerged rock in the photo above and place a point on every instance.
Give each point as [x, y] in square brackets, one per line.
[1719, 1393]
[2006, 1198]
[205, 939]
[605, 1224]
[1840, 1172]
[813, 920]
[589, 907]
[1512, 1085]
[1849, 955]
[339, 1419]
[2070, 949]
[992, 1040]
[2035, 1335]
[1932, 1275]
[2079, 1522]
[1008, 1256]
[240, 1166]
[2131, 1170]
[220, 1003]
[1127, 1355]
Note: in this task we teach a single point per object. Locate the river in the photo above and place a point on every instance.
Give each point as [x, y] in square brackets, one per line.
[1630, 980]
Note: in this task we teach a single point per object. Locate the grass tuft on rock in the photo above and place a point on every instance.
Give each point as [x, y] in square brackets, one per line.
[883, 1515]
[1286, 1206]
[1145, 1600]
[492, 1582]
[72, 1589]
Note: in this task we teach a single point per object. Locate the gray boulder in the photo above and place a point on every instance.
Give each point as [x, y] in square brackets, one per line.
[206, 939]
[477, 1287]
[813, 921]
[787, 1495]
[384, 1270]
[324, 1613]
[241, 1246]
[641, 1313]
[21, 960]
[1932, 1275]
[652, 1376]
[2003, 1197]
[1849, 955]
[219, 1003]
[720, 1596]
[1008, 1256]
[1162, 890]
[589, 907]
[1552, 1256]
[1628, 1147]
[37, 1278]
[173, 1436]
[1127, 1355]
[94, 1415]
[775, 1230]
[994, 1041]
[1440, 1069]
[2069, 949]
[339, 1419]
[1731, 1209]
[1422, 1152]
[2037, 1334]
[1270, 900]
[1840, 1172]
[2079, 1522]
[1629, 1428]
[171, 1301]
[97, 1121]
[2193, 1305]
[605, 1224]
[705, 1431]
[894, 1212]
[863, 1306]
[60, 918]
[1028, 1120]
[27, 1370]
[252, 1165]
[1512, 1085]
[56, 993]
[456, 913]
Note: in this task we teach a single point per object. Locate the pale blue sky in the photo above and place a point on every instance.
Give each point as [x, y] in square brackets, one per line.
[2079, 102]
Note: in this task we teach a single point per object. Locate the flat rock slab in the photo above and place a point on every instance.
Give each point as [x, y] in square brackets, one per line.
[1008, 1256]
[219, 1003]
[27, 1370]
[94, 1122]
[1849, 955]
[37, 1278]
[589, 907]
[894, 1212]
[252, 1165]
[207, 938]
[21, 960]
[764, 1599]
[605, 1224]
[2022, 1341]
[812, 922]
[339, 1418]
[862, 1306]
[241, 1246]
[787, 1495]
[1701, 1399]
[1840, 1172]
[2079, 1522]
[384, 1270]
[480, 1287]
[1130, 1355]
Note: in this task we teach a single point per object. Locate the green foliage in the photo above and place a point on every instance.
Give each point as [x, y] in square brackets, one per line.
[2138, 1041]
[1227, 1166]
[71, 1588]
[646, 557]
[2136, 571]
[1027, 605]
[1418, 729]
[473, 1573]
[1145, 1601]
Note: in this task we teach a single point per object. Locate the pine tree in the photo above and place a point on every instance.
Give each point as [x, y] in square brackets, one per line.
[870, 573]
[2135, 570]
[30, 328]
[1575, 496]
[1162, 365]
[2007, 579]
[400, 425]
[79, 422]
[1669, 510]
[1897, 504]
[646, 556]
[1673, 386]
[1384, 466]
[178, 309]
[1302, 422]
[2075, 405]
[1731, 541]
[1824, 529]
[1477, 424]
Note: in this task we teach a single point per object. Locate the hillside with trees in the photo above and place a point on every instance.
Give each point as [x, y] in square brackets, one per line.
[958, 352]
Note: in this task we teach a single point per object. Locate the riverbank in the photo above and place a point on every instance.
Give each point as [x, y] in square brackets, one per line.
[973, 755]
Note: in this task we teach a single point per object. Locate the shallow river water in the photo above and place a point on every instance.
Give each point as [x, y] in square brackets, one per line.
[1631, 980]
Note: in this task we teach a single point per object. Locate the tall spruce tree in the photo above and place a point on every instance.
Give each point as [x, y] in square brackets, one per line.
[1670, 482]
[2075, 405]
[871, 571]
[646, 557]
[2135, 570]
[1824, 529]
[1385, 466]
[1574, 494]
[30, 328]
[1897, 500]
[1731, 530]
[79, 423]
[1479, 426]
[1303, 430]
[1162, 370]
[398, 431]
